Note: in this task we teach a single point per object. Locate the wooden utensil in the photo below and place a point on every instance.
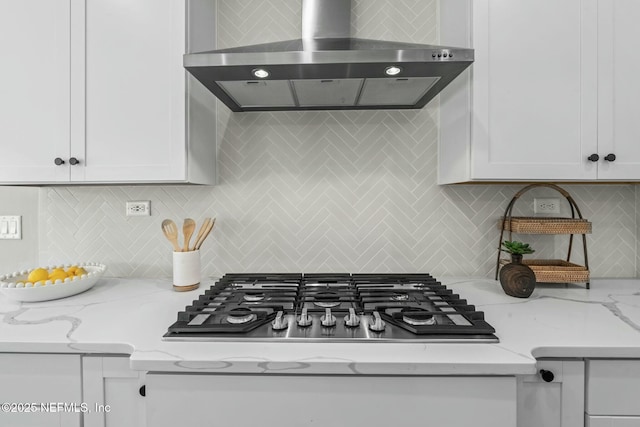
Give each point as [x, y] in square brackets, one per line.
[188, 227]
[205, 233]
[203, 228]
[170, 231]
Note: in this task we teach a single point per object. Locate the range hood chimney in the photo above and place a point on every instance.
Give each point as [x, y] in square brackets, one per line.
[326, 69]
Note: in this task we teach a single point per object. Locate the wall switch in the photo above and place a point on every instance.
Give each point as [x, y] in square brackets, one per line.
[547, 206]
[139, 208]
[11, 227]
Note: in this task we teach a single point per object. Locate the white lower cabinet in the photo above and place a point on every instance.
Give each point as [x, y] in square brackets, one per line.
[28, 380]
[302, 400]
[592, 421]
[555, 399]
[613, 391]
[112, 391]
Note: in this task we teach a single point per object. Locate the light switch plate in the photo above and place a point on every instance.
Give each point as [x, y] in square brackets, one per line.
[11, 227]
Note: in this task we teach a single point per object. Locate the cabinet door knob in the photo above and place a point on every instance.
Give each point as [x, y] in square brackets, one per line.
[610, 157]
[547, 376]
[593, 158]
[74, 161]
[143, 391]
[58, 161]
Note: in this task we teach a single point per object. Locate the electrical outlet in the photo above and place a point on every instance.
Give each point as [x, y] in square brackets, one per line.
[139, 208]
[550, 206]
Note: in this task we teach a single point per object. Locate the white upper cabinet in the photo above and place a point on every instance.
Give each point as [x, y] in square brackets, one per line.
[34, 89]
[122, 100]
[619, 89]
[552, 84]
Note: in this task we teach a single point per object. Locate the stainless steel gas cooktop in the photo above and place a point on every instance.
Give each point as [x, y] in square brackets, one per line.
[330, 308]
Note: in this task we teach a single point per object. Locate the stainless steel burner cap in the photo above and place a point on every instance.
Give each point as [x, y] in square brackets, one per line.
[238, 320]
[327, 304]
[253, 297]
[400, 297]
[421, 320]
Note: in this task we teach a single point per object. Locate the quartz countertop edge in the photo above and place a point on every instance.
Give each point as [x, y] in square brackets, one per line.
[128, 316]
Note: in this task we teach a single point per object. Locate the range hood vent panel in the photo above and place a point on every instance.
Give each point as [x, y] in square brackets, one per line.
[327, 92]
[395, 91]
[326, 70]
[257, 94]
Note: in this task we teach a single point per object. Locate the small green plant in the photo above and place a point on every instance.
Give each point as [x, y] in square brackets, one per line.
[517, 248]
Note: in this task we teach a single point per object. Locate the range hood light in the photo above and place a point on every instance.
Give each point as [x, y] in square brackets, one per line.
[260, 73]
[392, 70]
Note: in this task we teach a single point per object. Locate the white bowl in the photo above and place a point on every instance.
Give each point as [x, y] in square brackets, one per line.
[30, 292]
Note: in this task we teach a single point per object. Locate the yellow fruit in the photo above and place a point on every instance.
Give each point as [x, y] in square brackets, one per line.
[57, 270]
[72, 270]
[57, 275]
[80, 271]
[37, 275]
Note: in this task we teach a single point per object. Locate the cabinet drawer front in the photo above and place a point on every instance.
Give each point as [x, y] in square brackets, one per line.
[613, 387]
[355, 401]
[612, 422]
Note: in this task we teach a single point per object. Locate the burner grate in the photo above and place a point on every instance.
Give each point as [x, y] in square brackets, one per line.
[332, 307]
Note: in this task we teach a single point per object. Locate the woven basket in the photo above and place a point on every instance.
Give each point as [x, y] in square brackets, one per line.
[555, 270]
[547, 225]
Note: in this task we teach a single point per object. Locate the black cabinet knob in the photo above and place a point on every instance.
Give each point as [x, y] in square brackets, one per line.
[143, 391]
[74, 161]
[58, 161]
[547, 376]
[610, 157]
[593, 158]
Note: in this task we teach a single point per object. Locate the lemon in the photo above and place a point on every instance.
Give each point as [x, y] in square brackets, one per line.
[80, 271]
[71, 271]
[57, 275]
[37, 275]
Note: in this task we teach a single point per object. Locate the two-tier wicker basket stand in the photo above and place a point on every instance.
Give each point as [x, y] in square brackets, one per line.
[549, 271]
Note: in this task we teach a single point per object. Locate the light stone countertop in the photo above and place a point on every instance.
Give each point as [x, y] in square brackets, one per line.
[129, 316]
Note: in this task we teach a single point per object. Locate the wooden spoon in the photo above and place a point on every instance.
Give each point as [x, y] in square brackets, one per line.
[188, 227]
[205, 234]
[203, 227]
[170, 231]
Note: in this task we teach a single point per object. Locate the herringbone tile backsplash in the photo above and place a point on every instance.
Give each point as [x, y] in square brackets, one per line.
[326, 191]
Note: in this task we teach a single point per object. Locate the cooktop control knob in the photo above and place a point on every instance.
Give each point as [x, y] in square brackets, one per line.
[304, 319]
[328, 319]
[351, 319]
[279, 323]
[377, 324]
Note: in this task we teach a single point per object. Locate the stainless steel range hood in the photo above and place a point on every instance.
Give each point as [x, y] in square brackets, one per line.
[328, 70]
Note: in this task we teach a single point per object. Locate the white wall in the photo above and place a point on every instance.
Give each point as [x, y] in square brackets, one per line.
[20, 254]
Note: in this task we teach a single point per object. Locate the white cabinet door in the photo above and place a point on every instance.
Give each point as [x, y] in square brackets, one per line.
[135, 93]
[559, 403]
[546, 91]
[528, 108]
[612, 421]
[358, 401]
[41, 378]
[534, 89]
[613, 387]
[619, 89]
[109, 383]
[34, 89]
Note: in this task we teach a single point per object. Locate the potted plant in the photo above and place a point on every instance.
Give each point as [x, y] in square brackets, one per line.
[517, 250]
[516, 278]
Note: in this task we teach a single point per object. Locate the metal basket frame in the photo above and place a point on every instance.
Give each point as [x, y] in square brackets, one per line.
[507, 218]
